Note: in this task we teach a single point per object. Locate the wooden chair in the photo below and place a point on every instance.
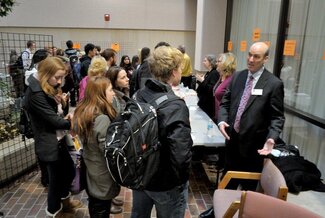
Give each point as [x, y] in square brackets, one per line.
[256, 205]
[271, 182]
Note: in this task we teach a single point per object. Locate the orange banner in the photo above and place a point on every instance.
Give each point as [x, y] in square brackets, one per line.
[116, 47]
[76, 45]
[256, 34]
[289, 47]
[229, 46]
[243, 45]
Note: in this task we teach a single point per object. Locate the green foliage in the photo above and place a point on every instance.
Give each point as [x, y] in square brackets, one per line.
[8, 131]
[6, 7]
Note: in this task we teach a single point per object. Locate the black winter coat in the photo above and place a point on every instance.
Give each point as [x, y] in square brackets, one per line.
[205, 92]
[45, 120]
[175, 137]
[84, 65]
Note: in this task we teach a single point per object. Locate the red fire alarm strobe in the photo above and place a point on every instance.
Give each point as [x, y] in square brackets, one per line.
[106, 17]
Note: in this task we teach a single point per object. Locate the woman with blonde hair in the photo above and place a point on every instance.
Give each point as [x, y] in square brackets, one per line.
[42, 98]
[226, 66]
[92, 117]
[98, 67]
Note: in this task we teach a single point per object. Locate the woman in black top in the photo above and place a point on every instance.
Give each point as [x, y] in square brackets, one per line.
[126, 65]
[42, 100]
[206, 83]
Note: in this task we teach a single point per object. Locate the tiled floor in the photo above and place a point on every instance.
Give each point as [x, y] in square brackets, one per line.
[28, 199]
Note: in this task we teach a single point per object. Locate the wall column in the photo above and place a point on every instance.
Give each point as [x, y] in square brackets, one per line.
[210, 29]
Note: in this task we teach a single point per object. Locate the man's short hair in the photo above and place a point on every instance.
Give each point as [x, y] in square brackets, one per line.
[30, 43]
[108, 53]
[163, 61]
[39, 55]
[89, 47]
[162, 44]
[69, 44]
[98, 48]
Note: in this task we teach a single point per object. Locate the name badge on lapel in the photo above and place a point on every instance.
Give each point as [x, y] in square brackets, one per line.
[257, 92]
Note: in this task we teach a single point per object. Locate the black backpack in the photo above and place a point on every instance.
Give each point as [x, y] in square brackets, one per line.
[132, 148]
[19, 62]
[25, 126]
[75, 68]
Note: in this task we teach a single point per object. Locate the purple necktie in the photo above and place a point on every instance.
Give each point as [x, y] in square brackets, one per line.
[243, 102]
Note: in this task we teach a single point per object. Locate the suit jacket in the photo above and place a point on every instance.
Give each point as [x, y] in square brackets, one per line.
[263, 116]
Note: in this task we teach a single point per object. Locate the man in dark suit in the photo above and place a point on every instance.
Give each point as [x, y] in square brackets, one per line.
[251, 115]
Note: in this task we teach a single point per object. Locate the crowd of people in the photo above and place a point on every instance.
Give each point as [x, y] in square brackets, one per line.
[246, 105]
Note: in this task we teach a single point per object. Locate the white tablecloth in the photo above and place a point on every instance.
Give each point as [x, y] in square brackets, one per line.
[199, 121]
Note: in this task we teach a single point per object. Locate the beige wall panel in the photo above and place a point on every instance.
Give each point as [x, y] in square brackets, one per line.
[130, 40]
[125, 14]
[210, 29]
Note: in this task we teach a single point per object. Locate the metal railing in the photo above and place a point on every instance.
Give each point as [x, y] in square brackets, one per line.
[17, 155]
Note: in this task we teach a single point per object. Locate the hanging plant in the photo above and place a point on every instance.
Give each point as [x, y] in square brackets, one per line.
[6, 7]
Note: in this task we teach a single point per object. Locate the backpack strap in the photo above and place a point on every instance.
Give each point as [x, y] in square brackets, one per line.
[25, 52]
[157, 99]
[164, 98]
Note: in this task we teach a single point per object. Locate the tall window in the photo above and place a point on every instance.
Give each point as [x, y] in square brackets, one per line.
[303, 72]
[303, 64]
[254, 20]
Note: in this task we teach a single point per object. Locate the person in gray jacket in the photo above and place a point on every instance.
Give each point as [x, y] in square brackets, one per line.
[92, 117]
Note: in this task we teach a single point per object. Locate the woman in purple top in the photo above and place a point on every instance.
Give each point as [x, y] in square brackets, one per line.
[226, 66]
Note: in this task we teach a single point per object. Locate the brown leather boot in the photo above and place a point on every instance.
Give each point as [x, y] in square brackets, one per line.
[115, 209]
[70, 206]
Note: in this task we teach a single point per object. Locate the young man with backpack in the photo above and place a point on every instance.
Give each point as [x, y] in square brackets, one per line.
[16, 73]
[168, 188]
[85, 60]
[27, 55]
[18, 65]
[72, 54]
[70, 51]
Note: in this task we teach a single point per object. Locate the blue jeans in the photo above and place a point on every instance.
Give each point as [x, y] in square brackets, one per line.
[169, 204]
